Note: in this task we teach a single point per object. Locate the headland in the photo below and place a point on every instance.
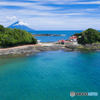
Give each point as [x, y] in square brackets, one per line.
[26, 50]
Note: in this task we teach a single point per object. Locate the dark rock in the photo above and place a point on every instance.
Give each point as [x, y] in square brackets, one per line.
[47, 35]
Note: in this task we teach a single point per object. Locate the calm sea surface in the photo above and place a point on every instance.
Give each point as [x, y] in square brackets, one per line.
[66, 34]
[50, 75]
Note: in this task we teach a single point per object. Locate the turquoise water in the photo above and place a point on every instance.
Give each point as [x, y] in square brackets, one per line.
[50, 75]
[54, 38]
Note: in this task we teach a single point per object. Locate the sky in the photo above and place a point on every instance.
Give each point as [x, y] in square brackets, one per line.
[51, 14]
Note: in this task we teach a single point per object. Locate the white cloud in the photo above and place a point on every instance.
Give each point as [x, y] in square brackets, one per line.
[52, 14]
[52, 20]
[63, 23]
[2, 20]
[7, 18]
[91, 9]
[41, 17]
[56, 1]
[14, 3]
[21, 23]
[72, 14]
[92, 2]
[28, 5]
[38, 3]
[11, 18]
[66, 2]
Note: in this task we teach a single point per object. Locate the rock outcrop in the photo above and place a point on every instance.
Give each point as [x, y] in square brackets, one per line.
[46, 35]
[28, 50]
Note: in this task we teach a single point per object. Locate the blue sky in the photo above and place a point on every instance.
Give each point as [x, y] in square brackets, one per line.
[51, 14]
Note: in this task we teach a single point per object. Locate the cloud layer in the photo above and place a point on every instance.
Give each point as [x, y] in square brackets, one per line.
[51, 14]
[21, 23]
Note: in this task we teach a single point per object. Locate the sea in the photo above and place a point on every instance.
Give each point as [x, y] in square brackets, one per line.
[51, 75]
[65, 35]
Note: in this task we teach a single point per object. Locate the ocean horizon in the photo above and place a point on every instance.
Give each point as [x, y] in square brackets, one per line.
[50, 65]
[66, 35]
[50, 75]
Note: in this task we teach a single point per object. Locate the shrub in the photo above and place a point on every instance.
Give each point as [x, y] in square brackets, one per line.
[88, 36]
[13, 37]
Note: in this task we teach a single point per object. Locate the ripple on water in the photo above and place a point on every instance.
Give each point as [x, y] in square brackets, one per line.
[50, 76]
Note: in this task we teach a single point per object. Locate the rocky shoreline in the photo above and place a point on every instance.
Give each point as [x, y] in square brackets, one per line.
[86, 47]
[32, 49]
[28, 50]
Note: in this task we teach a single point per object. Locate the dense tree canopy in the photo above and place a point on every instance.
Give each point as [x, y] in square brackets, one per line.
[2, 28]
[13, 37]
[88, 36]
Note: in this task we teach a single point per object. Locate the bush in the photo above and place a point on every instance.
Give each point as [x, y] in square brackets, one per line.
[2, 29]
[13, 37]
[88, 36]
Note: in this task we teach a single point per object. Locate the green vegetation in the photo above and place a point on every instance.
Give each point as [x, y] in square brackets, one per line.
[14, 37]
[88, 36]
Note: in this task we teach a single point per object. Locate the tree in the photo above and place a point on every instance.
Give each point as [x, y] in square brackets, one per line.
[2, 28]
[88, 36]
[12, 37]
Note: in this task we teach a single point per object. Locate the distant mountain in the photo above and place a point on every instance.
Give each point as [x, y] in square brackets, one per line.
[20, 25]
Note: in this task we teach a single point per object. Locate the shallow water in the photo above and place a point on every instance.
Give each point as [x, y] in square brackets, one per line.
[50, 75]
